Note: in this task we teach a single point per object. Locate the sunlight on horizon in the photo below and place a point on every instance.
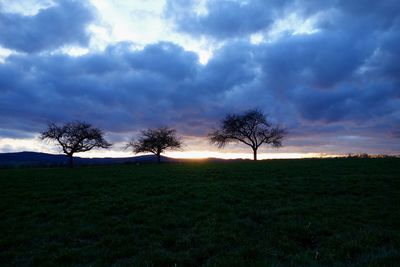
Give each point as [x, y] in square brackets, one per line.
[9, 145]
[232, 155]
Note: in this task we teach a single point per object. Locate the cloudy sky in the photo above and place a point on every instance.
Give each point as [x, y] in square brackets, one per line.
[327, 70]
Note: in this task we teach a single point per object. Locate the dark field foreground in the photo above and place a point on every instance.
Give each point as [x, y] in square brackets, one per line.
[330, 212]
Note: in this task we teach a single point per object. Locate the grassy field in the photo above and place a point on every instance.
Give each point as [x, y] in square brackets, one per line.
[328, 212]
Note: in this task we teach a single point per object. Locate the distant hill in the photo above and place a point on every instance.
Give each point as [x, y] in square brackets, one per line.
[44, 159]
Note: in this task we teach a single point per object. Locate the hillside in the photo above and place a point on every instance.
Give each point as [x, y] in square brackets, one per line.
[44, 159]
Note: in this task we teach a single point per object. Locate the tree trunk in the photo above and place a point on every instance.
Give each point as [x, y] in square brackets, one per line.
[158, 158]
[70, 161]
[254, 153]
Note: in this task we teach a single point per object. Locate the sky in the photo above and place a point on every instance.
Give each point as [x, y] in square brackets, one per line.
[329, 71]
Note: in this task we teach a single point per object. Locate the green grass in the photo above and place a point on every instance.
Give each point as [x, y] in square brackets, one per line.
[329, 212]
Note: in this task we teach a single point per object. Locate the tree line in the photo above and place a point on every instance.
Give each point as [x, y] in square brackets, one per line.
[250, 128]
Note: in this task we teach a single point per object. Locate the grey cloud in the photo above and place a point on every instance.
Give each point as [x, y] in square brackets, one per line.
[62, 24]
[224, 19]
[157, 58]
[237, 19]
[118, 90]
[123, 90]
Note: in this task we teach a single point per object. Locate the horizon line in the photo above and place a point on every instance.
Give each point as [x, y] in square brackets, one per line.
[230, 156]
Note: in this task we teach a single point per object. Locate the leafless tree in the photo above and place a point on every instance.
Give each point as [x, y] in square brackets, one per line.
[156, 141]
[74, 137]
[250, 128]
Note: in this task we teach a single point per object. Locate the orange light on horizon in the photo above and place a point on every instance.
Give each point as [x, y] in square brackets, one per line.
[19, 145]
[231, 155]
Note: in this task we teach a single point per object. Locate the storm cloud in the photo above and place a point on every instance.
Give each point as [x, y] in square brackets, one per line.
[62, 24]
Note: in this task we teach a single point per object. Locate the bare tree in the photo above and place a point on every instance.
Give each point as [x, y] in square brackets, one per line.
[74, 137]
[250, 128]
[156, 141]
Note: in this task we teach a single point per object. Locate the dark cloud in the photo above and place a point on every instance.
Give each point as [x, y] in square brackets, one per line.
[62, 24]
[346, 103]
[235, 19]
[157, 59]
[118, 89]
[224, 18]
[321, 60]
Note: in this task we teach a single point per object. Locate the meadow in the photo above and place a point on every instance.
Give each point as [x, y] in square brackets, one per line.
[314, 212]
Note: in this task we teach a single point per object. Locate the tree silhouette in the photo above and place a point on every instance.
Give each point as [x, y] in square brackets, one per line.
[156, 141]
[250, 128]
[74, 137]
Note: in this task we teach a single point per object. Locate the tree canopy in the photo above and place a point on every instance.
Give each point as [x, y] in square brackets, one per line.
[74, 137]
[250, 128]
[156, 141]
